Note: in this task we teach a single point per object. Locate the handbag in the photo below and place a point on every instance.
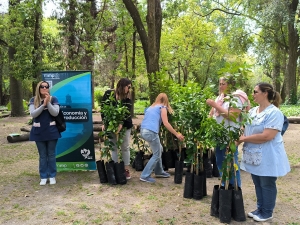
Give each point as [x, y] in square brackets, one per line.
[60, 121]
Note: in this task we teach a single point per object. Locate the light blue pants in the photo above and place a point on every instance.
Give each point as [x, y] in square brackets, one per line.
[125, 148]
[155, 162]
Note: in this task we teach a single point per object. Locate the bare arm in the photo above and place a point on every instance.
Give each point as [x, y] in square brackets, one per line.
[164, 117]
[266, 135]
[211, 112]
[233, 112]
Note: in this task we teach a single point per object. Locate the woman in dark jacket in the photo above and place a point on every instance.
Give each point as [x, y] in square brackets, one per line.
[121, 93]
[44, 132]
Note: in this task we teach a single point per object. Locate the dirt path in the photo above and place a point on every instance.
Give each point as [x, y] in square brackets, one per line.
[79, 198]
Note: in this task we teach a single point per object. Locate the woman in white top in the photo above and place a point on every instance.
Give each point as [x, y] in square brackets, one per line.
[222, 113]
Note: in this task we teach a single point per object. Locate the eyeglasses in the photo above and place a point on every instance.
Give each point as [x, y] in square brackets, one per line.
[43, 87]
[255, 92]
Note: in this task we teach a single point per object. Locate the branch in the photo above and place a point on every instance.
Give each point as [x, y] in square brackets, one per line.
[3, 43]
[134, 13]
[218, 9]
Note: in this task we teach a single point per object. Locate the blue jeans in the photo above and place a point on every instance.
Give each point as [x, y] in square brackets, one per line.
[220, 156]
[47, 160]
[155, 162]
[266, 192]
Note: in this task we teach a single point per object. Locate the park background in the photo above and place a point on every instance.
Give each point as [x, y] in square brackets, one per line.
[157, 44]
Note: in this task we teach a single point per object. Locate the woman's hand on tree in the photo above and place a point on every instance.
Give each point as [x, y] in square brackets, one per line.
[211, 102]
[180, 136]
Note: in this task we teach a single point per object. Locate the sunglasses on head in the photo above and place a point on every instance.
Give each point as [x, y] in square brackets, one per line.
[44, 86]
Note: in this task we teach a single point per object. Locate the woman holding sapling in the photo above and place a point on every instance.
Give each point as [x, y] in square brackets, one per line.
[223, 111]
[120, 94]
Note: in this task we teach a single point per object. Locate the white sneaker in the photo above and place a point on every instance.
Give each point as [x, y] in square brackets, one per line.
[43, 182]
[52, 180]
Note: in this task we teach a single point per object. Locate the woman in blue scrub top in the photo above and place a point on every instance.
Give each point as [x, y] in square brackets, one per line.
[264, 155]
[44, 132]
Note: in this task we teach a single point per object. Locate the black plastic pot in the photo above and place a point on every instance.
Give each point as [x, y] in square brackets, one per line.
[204, 184]
[164, 160]
[178, 172]
[101, 171]
[214, 206]
[120, 173]
[188, 185]
[183, 154]
[110, 171]
[139, 161]
[175, 153]
[215, 170]
[238, 211]
[225, 203]
[207, 165]
[169, 158]
[198, 187]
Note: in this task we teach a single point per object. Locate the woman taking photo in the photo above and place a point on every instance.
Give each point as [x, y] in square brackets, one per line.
[264, 155]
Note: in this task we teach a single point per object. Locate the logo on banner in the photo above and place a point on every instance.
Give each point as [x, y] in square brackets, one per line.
[52, 75]
[86, 153]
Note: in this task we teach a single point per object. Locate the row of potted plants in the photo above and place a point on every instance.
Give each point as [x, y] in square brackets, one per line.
[201, 133]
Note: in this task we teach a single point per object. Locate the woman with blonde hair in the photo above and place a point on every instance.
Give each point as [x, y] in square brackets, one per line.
[222, 111]
[44, 132]
[154, 116]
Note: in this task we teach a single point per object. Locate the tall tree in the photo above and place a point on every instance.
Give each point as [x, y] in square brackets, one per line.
[37, 44]
[293, 53]
[16, 96]
[72, 52]
[150, 42]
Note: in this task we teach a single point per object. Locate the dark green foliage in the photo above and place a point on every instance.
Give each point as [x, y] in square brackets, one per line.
[115, 113]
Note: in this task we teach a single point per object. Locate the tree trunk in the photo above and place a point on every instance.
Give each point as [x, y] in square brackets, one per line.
[90, 55]
[150, 43]
[16, 97]
[133, 66]
[283, 71]
[1, 76]
[37, 45]
[134, 13]
[293, 40]
[71, 14]
[154, 20]
[179, 77]
[276, 70]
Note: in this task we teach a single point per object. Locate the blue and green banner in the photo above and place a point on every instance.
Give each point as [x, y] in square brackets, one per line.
[75, 149]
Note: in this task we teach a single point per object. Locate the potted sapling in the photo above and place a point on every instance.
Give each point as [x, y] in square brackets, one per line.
[115, 113]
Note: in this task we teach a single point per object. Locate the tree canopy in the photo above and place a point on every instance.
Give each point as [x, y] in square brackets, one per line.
[150, 42]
